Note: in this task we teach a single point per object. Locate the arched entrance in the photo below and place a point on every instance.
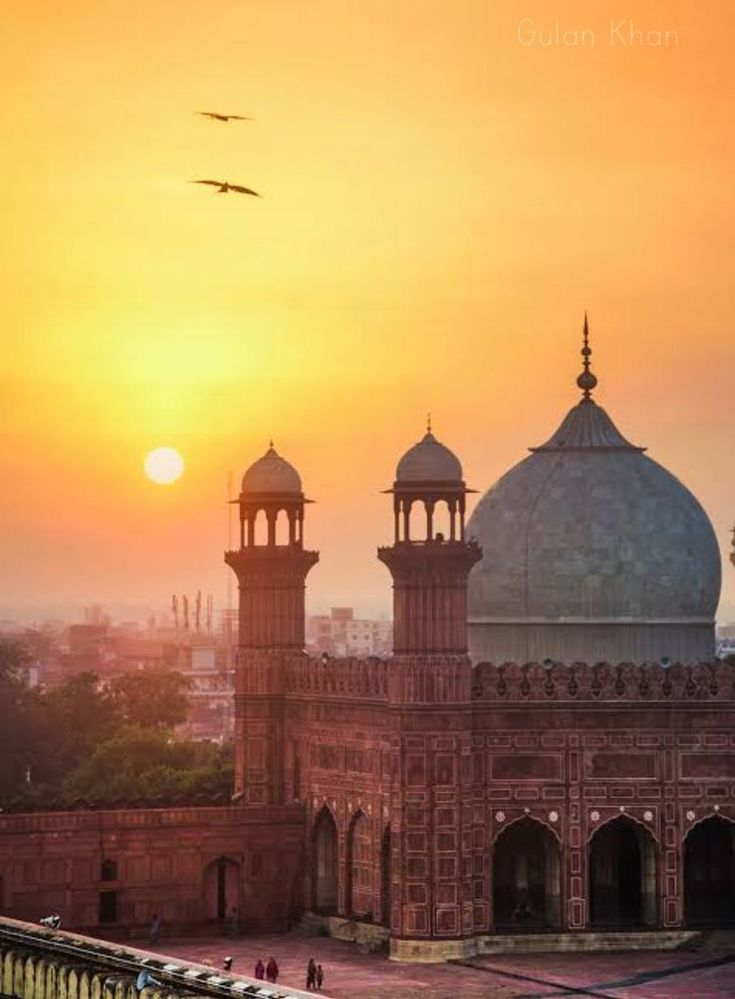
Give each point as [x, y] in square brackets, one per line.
[359, 869]
[222, 889]
[385, 878]
[709, 874]
[325, 864]
[622, 876]
[526, 879]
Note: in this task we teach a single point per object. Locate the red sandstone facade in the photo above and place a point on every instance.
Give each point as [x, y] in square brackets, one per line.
[449, 802]
[195, 867]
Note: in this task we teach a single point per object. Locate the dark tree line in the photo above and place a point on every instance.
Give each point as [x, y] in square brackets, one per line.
[91, 745]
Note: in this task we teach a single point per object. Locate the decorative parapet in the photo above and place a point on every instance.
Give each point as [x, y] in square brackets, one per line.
[713, 681]
[326, 677]
[145, 818]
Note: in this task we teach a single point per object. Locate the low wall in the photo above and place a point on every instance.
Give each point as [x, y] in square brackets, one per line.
[40, 964]
[112, 871]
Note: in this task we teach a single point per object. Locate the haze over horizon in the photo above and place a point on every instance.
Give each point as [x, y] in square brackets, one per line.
[440, 204]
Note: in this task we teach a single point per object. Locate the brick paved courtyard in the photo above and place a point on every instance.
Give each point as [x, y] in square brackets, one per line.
[351, 973]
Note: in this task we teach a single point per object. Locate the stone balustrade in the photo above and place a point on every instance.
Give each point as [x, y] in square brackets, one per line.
[36, 963]
[339, 678]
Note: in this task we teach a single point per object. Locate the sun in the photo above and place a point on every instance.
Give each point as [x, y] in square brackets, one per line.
[164, 466]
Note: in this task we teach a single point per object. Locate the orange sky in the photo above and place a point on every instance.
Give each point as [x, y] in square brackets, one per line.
[441, 202]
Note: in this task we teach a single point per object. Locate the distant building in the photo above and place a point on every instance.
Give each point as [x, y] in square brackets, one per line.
[340, 633]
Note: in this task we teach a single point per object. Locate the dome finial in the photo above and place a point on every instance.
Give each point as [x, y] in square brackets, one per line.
[270, 442]
[428, 423]
[586, 380]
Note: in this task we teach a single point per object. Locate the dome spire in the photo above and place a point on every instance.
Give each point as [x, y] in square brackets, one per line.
[586, 381]
[428, 423]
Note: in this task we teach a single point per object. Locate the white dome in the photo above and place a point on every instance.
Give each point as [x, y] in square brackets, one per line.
[271, 474]
[592, 550]
[428, 461]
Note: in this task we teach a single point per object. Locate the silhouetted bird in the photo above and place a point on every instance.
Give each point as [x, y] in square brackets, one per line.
[223, 187]
[215, 116]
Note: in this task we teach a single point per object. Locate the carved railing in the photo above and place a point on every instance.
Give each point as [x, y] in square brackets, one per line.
[711, 681]
[329, 677]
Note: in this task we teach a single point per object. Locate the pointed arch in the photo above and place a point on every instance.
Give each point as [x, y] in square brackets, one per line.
[709, 873]
[526, 870]
[622, 875]
[325, 862]
[359, 868]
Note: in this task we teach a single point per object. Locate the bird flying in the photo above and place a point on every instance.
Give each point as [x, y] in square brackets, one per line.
[216, 116]
[224, 186]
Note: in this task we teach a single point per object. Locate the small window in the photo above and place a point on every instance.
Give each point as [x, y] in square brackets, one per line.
[108, 907]
[108, 871]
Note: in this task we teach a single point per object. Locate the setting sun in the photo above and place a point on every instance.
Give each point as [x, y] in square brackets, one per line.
[164, 466]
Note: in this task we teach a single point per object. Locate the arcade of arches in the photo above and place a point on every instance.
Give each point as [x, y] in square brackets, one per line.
[527, 877]
[365, 868]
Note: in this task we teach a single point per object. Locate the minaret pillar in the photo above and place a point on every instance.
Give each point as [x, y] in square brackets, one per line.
[271, 586]
[437, 843]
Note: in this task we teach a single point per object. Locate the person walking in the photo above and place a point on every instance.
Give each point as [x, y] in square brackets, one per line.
[311, 974]
[260, 969]
[155, 933]
[319, 976]
[271, 970]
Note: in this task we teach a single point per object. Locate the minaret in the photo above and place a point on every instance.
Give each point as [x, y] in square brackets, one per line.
[732, 553]
[271, 572]
[435, 776]
[429, 570]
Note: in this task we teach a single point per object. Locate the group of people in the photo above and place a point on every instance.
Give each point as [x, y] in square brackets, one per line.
[269, 971]
[314, 975]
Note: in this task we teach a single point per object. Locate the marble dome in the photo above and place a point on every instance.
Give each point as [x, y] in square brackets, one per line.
[428, 461]
[271, 474]
[592, 551]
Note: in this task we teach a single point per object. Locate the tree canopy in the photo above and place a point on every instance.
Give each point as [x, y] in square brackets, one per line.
[95, 745]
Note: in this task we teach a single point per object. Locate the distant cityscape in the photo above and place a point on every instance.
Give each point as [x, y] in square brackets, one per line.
[198, 644]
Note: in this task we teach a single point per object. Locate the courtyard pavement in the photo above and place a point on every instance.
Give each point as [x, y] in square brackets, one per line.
[349, 972]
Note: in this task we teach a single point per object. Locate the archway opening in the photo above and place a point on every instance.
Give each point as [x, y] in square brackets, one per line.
[385, 877]
[359, 872]
[709, 874]
[260, 529]
[222, 889]
[325, 872]
[283, 529]
[622, 876]
[526, 879]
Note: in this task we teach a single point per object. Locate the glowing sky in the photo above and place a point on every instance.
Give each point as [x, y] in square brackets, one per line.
[441, 202]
